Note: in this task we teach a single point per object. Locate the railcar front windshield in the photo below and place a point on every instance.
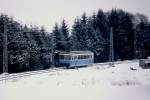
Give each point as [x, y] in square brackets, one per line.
[65, 57]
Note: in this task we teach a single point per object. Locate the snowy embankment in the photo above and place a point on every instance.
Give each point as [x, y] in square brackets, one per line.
[98, 82]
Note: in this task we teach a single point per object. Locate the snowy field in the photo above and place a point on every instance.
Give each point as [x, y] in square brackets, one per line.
[97, 82]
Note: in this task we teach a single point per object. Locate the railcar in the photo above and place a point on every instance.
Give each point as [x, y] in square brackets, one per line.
[74, 58]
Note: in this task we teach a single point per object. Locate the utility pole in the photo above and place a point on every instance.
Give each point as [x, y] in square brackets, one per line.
[5, 48]
[111, 49]
[135, 45]
[52, 52]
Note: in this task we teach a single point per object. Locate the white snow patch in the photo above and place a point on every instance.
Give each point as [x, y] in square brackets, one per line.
[98, 82]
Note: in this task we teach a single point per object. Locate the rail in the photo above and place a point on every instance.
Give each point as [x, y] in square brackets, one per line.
[6, 77]
[117, 62]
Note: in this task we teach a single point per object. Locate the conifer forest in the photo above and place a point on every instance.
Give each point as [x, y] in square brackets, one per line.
[31, 47]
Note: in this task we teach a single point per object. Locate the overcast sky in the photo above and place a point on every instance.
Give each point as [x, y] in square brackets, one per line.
[48, 12]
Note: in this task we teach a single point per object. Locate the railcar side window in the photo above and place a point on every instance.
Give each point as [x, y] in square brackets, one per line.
[61, 57]
[67, 57]
[75, 57]
[89, 56]
[72, 57]
[79, 56]
[86, 56]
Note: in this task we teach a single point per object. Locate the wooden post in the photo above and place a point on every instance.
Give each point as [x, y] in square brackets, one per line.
[111, 49]
[135, 45]
[5, 48]
[52, 52]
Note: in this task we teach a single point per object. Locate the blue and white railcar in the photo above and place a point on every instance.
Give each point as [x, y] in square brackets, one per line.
[75, 58]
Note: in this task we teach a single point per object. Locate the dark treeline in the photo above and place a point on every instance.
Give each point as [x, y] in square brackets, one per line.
[30, 48]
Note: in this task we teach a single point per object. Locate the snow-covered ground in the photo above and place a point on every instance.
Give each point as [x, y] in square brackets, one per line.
[97, 82]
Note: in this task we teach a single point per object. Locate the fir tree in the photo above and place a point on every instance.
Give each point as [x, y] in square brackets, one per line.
[75, 35]
[65, 36]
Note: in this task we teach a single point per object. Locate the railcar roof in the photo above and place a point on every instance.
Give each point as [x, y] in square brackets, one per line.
[77, 52]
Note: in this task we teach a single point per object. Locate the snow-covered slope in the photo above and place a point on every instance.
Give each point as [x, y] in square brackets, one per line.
[97, 82]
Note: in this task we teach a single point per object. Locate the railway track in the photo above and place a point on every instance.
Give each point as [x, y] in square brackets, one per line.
[6, 77]
[117, 62]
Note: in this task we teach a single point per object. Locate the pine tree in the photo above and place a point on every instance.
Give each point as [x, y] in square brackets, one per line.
[102, 24]
[94, 21]
[94, 38]
[75, 35]
[142, 32]
[83, 34]
[123, 34]
[56, 35]
[102, 28]
[65, 36]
